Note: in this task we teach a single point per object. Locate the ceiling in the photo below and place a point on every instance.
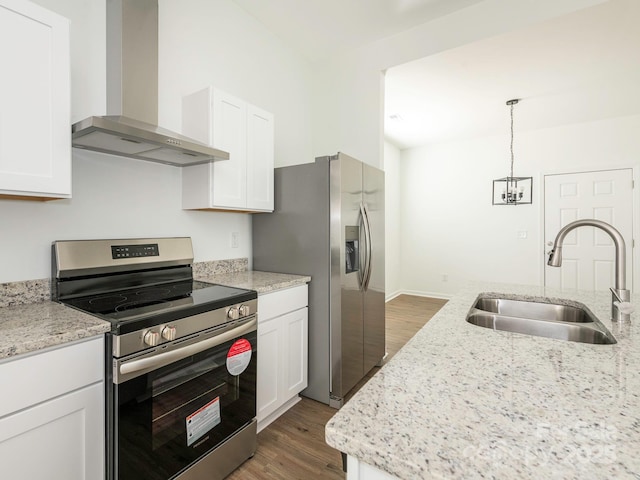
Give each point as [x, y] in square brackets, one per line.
[321, 28]
[579, 67]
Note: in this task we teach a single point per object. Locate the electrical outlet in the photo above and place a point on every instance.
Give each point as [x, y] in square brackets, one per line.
[445, 278]
[235, 239]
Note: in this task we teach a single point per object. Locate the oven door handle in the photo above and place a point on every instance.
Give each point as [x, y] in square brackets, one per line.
[135, 368]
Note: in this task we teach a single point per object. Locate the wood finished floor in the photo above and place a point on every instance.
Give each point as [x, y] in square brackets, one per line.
[293, 446]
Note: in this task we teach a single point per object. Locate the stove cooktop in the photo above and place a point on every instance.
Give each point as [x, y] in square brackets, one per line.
[132, 309]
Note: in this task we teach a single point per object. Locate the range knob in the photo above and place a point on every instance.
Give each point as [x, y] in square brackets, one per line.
[169, 333]
[151, 338]
[245, 310]
[233, 313]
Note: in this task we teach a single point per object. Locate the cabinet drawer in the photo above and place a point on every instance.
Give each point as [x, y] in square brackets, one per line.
[39, 377]
[271, 305]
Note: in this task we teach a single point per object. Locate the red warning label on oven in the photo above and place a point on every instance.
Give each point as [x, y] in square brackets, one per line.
[239, 356]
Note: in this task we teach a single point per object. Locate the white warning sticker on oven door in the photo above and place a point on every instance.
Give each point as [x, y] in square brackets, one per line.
[203, 420]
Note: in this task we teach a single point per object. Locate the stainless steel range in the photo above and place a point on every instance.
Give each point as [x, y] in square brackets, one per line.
[181, 357]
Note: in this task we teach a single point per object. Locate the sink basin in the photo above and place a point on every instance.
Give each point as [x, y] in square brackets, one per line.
[574, 323]
[535, 310]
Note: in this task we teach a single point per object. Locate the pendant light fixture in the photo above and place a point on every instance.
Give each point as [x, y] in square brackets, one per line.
[512, 190]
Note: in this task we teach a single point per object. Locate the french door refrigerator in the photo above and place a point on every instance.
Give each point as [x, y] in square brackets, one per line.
[328, 223]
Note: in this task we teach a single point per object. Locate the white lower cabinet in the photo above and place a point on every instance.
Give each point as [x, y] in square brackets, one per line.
[282, 352]
[357, 470]
[52, 414]
[58, 440]
[270, 344]
[294, 326]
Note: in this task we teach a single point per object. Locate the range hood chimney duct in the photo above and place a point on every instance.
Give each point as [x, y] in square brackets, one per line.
[130, 127]
[132, 59]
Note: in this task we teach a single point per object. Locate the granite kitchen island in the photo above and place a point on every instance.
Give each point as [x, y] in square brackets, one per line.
[461, 401]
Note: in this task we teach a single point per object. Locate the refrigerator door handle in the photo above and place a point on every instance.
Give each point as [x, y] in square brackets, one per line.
[367, 239]
[362, 269]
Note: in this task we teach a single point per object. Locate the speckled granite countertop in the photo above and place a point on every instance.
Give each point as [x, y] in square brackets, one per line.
[463, 402]
[34, 326]
[262, 282]
[29, 323]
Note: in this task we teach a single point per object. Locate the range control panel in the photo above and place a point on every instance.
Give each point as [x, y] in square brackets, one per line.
[132, 251]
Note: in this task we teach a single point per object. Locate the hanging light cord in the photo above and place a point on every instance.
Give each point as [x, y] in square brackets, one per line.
[512, 138]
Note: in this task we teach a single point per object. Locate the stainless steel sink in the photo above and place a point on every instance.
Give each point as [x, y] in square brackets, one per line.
[574, 322]
[535, 310]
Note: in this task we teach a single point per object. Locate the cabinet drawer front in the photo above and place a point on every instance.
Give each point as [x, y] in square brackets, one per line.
[36, 378]
[271, 305]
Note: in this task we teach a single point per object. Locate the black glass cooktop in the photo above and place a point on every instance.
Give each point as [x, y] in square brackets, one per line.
[131, 309]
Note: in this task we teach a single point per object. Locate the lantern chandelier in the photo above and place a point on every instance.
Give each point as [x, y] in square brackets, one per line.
[512, 190]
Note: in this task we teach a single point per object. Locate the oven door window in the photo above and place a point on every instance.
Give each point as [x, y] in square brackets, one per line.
[170, 417]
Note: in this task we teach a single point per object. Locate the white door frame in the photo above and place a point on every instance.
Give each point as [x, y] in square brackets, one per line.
[635, 208]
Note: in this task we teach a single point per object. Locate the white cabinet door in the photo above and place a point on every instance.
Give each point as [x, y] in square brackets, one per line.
[35, 132]
[61, 439]
[245, 181]
[260, 159]
[229, 134]
[270, 374]
[294, 326]
[282, 360]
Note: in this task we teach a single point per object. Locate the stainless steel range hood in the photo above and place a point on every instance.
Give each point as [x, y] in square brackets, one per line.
[130, 128]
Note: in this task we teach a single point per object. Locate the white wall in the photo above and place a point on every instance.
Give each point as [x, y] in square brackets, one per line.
[392, 220]
[449, 227]
[336, 106]
[214, 42]
[349, 89]
[201, 43]
[113, 197]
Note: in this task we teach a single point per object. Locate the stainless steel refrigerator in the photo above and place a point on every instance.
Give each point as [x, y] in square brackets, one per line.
[328, 222]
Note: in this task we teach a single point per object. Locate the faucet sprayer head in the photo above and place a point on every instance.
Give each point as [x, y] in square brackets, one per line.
[555, 257]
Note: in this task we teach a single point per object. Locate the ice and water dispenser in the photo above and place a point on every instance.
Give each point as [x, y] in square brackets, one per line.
[351, 250]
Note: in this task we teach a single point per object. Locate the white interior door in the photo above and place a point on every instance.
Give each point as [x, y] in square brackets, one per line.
[588, 254]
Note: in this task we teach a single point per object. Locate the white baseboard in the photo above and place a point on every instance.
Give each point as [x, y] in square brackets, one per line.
[416, 293]
[393, 295]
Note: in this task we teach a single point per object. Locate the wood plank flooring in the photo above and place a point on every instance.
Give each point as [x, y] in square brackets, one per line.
[293, 446]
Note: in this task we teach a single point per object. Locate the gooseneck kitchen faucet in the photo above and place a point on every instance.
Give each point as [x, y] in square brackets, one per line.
[621, 309]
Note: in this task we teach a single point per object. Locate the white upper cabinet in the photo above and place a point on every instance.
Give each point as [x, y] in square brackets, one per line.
[35, 117]
[260, 150]
[245, 181]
